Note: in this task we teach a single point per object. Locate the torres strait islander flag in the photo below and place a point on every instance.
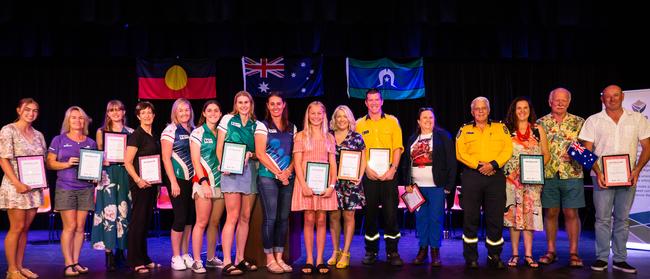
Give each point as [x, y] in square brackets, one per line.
[396, 81]
[176, 78]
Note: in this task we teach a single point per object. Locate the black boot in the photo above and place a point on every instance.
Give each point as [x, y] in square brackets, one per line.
[110, 261]
[421, 256]
[435, 257]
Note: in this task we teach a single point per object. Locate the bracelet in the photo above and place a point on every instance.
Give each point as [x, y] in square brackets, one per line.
[203, 179]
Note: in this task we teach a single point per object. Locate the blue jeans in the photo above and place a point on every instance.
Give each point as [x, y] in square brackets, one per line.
[276, 203]
[618, 199]
[429, 217]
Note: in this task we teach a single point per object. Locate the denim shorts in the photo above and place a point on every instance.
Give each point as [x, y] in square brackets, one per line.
[563, 193]
[82, 200]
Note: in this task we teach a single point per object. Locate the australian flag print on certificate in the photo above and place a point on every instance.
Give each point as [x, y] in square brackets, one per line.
[294, 77]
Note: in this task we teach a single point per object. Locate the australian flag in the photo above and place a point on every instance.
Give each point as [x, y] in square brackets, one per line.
[582, 155]
[294, 77]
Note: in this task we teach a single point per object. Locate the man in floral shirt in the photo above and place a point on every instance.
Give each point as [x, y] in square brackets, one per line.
[564, 179]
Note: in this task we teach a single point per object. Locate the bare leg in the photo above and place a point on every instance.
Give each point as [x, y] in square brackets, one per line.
[233, 206]
[528, 243]
[22, 243]
[321, 233]
[79, 236]
[213, 226]
[514, 239]
[308, 232]
[335, 233]
[69, 220]
[572, 224]
[203, 210]
[185, 244]
[176, 239]
[348, 220]
[550, 224]
[16, 226]
[242, 225]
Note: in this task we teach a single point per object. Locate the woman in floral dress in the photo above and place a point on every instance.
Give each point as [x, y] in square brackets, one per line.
[523, 211]
[113, 201]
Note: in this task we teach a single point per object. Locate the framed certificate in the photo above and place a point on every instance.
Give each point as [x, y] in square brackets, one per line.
[233, 157]
[616, 169]
[150, 169]
[413, 200]
[531, 169]
[114, 147]
[317, 177]
[349, 164]
[90, 164]
[31, 171]
[379, 160]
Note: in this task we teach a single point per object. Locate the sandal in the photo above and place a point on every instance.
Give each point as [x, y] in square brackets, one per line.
[246, 266]
[274, 267]
[70, 267]
[28, 273]
[153, 265]
[575, 261]
[15, 275]
[285, 266]
[141, 270]
[344, 261]
[308, 269]
[336, 256]
[548, 258]
[80, 268]
[323, 269]
[530, 262]
[513, 261]
[230, 270]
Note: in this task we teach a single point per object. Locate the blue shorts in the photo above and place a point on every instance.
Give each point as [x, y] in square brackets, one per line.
[563, 193]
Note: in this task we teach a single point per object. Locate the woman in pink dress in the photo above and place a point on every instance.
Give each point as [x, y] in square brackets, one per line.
[314, 144]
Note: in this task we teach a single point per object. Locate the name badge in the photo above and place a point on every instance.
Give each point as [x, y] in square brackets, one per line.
[235, 124]
[67, 145]
[365, 132]
[469, 133]
[207, 141]
[183, 137]
[273, 131]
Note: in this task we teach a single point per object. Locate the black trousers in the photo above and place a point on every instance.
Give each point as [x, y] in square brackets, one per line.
[489, 194]
[382, 193]
[182, 205]
[143, 202]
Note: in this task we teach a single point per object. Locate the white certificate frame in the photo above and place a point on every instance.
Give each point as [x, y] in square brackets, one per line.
[152, 177]
[312, 182]
[347, 172]
[31, 171]
[612, 165]
[379, 167]
[531, 169]
[110, 155]
[90, 164]
[413, 200]
[233, 158]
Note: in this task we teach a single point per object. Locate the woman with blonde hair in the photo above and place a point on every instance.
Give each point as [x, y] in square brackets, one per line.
[19, 200]
[108, 231]
[73, 197]
[349, 193]
[239, 189]
[314, 144]
[176, 158]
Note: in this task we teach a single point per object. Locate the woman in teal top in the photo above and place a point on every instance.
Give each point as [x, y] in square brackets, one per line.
[113, 201]
[239, 189]
[206, 189]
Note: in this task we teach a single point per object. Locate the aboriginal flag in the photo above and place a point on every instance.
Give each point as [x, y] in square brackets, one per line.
[176, 78]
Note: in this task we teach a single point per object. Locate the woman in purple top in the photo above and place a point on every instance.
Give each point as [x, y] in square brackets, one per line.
[73, 197]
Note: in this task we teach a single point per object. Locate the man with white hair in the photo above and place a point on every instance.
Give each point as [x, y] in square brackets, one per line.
[484, 147]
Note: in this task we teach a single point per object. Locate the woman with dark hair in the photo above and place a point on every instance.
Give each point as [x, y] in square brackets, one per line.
[73, 197]
[142, 142]
[113, 202]
[432, 166]
[273, 147]
[523, 211]
[206, 189]
[19, 200]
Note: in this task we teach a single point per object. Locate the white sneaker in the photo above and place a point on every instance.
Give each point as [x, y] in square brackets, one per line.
[213, 263]
[189, 261]
[178, 263]
[197, 267]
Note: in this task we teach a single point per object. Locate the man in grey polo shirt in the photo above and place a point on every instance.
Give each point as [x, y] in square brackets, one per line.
[615, 131]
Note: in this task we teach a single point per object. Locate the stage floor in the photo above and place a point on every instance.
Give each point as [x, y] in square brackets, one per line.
[45, 259]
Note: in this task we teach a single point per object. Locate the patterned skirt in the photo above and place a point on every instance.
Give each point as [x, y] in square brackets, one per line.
[112, 210]
[350, 196]
[10, 199]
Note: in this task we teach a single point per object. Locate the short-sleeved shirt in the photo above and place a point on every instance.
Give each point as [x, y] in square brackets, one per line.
[279, 145]
[491, 144]
[64, 148]
[181, 158]
[382, 133]
[611, 138]
[146, 144]
[204, 137]
[559, 136]
[422, 160]
[237, 132]
[14, 144]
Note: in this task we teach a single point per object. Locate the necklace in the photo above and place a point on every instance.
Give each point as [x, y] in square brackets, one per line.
[525, 136]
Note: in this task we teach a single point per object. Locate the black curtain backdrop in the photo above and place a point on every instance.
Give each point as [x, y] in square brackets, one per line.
[82, 52]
